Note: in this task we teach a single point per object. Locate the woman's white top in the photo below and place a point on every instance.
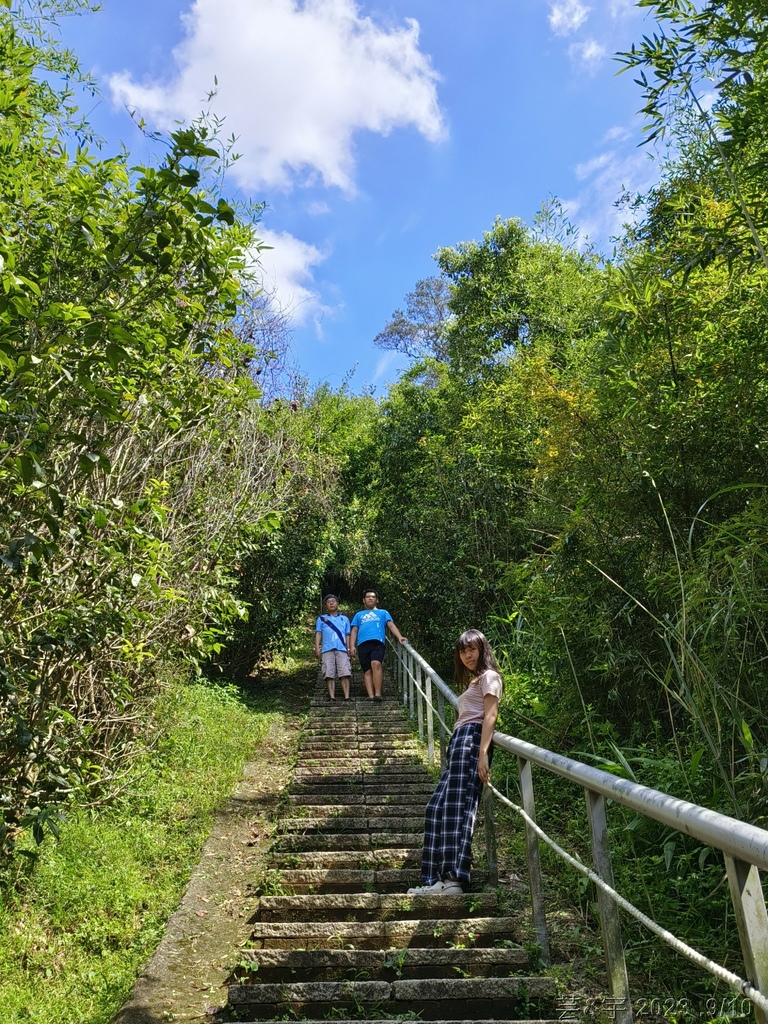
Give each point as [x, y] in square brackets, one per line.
[471, 702]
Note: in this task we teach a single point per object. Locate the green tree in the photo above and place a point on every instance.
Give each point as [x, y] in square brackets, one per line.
[420, 330]
[137, 462]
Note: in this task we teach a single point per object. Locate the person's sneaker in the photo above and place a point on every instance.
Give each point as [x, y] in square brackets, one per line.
[449, 887]
[378, 699]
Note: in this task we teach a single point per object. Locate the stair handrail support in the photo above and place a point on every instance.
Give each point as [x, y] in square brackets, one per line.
[744, 846]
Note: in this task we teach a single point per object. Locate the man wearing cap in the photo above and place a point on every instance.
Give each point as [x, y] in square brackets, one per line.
[369, 631]
[332, 645]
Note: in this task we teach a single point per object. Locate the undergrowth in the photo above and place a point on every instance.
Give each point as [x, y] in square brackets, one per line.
[675, 880]
[78, 920]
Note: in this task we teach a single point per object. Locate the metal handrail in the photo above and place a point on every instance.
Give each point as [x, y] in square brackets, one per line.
[744, 846]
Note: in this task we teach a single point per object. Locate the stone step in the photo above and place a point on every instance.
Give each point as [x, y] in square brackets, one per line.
[315, 809]
[328, 744]
[429, 998]
[352, 758]
[369, 786]
[322, 880]
[362, 859]
[371, 906]
[347, 823]
[355, 765]
[430, 932]
[369, 715]
[322, 798]
[388, 1020]
[308, 780]
[356, 797]
[273, 965]
[394, 729]
[377, 775]
[322, 842]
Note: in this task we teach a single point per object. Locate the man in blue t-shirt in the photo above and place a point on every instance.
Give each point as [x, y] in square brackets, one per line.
[369, 633]
[332, 645]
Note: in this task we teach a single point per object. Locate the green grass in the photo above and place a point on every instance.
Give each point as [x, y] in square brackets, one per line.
[76, 929]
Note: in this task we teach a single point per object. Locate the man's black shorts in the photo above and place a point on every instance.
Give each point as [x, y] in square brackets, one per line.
[368, 651]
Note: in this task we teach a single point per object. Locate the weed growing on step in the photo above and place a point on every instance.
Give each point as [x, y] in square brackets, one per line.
[396, 961]
[269, 883]
[247, 968]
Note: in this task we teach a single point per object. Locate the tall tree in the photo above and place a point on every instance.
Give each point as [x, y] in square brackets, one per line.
[420, 330]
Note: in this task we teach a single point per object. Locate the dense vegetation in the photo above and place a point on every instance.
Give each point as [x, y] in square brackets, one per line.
[575, 461]
[149, 487]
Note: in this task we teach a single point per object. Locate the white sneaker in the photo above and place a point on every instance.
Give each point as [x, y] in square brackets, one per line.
[449, 887]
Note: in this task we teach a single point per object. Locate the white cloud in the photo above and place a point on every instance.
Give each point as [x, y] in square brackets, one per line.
[621, 8]
[594, 211]
[618, 133]
[566, 16]
[589, 55]
[390, 361]
[285, 271]
[588, 168]
[296, 81]
[318, 209]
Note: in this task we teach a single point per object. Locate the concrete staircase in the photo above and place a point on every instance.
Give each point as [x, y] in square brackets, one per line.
[342, 939]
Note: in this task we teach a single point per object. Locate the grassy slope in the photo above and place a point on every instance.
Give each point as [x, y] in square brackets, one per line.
[74, 934]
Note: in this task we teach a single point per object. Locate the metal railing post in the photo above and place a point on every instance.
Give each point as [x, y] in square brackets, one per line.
[610, 923]
[441, 717]
[533, 858]
[430, 723]
[752, 921]
[490, 837]
[402, 654]
[411, 690]
[418, 685]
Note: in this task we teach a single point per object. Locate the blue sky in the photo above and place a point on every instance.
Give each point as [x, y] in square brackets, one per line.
[376, 133]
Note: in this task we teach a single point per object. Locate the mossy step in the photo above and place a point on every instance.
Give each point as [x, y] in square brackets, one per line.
[348, 860]
[429, 932]
[349, 769]
[426, 997]
[342, 823]
[349, 880]
[330, 964]
[360, 762]
[348, 823]
[405, 744]
[394, 790]
[355, 797]
[332, 730]
[331, 738]
[377, 810]
[320, 843]
[371, 906]
[316, 780]
[464, 1020]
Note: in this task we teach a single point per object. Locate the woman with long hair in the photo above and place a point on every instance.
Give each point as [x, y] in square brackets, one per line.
[452, 809]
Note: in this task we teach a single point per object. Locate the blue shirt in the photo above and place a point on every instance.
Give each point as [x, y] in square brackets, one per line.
[371, 624]
[331, 639]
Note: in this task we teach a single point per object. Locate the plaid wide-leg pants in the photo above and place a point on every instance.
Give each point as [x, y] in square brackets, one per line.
[449, 819]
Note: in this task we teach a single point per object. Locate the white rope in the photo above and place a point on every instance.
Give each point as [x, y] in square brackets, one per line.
[739, 984]
[746, 988]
